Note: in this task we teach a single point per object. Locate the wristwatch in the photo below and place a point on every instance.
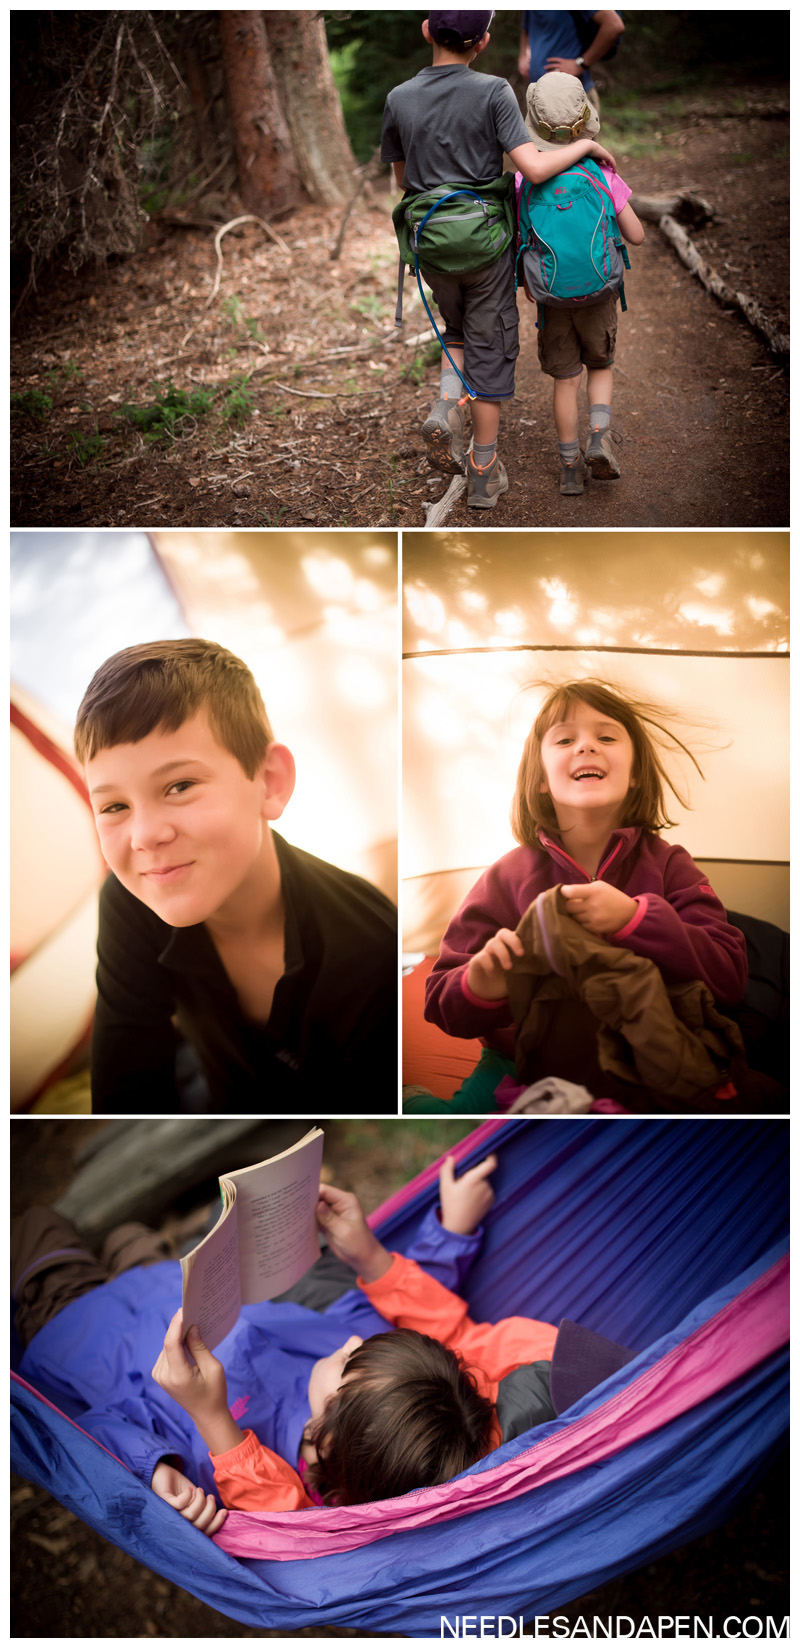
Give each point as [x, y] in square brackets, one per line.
[580, 63]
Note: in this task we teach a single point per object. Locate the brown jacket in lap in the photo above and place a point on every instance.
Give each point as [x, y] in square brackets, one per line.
[590, 1011]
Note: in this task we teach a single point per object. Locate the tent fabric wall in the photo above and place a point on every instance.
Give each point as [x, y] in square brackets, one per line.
[76, 598]
[316, 620]
[54, 887]
[466, 717]
[666, 1236]
[708, 592]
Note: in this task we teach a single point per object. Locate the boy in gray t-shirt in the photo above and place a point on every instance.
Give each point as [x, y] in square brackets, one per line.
[449, 126]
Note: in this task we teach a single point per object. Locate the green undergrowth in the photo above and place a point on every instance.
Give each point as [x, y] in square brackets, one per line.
[31, 404]
[173, 412]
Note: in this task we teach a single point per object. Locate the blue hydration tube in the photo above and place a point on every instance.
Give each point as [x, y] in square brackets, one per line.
[474, 394]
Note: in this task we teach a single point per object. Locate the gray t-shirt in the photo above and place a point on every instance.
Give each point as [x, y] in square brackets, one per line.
[451, 125]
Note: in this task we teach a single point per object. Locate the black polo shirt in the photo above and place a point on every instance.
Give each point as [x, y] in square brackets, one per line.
[330, 1043]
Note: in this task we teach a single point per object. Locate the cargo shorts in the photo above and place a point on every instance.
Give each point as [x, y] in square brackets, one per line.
[569, 339]
[479, 310]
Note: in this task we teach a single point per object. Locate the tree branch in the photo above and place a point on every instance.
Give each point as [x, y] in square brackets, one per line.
[247, 217]
[688, 253]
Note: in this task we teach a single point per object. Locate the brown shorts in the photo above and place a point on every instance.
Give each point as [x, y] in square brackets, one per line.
[570, 339]
[480, 312]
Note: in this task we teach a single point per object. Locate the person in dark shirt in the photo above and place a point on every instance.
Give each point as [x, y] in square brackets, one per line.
[551, 40]
[279, 970]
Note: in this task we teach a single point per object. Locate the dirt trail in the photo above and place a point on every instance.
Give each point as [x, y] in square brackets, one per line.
[332, 403]
[699, 404]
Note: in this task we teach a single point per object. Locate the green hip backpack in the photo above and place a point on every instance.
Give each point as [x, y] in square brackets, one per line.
[453, 231]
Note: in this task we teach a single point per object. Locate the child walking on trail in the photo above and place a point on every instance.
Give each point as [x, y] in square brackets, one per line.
[587, 812]
[450, 127]
[585, 335]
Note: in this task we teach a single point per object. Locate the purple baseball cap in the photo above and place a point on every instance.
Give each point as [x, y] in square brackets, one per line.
[468, 26]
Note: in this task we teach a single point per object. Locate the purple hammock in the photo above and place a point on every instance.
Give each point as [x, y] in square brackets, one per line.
[670, 1237]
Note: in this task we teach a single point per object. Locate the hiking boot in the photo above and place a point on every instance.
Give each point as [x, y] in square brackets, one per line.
[600, 455]
[573, 476]
[484, 486]
[443, 433]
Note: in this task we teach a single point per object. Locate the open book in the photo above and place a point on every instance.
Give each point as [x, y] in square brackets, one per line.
[264, 1240]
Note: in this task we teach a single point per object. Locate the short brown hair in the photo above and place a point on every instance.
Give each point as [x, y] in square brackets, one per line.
[163, 684]
[532, 809]
[407, 1416]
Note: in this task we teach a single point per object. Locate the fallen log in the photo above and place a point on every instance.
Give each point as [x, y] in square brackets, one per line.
[135, 1170]
[698, 265]
[750, 111]
[685, 207]
[438, 512]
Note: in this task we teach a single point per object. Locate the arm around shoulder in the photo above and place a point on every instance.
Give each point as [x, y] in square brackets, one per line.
[537, 165]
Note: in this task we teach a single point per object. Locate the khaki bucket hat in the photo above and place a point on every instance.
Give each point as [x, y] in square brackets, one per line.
[559, 111]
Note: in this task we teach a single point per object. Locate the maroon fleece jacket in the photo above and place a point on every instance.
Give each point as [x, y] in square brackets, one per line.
[680, 925]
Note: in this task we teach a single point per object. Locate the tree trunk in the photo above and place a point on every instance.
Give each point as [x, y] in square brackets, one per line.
[311, 104]
[194, 75]
[269, 181]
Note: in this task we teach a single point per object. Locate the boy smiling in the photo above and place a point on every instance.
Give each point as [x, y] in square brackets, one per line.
[280, 969]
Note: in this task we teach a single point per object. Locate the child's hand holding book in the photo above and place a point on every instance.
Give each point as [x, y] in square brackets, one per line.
[340, 1217]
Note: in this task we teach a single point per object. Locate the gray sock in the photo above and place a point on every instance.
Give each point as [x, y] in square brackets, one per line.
[569, 451]
[483, 455]
[450, 386]
[599, 416]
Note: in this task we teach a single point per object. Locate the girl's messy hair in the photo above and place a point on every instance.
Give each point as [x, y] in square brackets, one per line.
[532, 808]
[407, 1415]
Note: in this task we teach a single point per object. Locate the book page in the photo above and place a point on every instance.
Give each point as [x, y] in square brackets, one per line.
[278, 1239]
[211, 1294]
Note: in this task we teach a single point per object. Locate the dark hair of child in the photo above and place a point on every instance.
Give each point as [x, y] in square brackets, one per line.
[164, 683]
[453, 43]
[532, 808]
[407, 1415]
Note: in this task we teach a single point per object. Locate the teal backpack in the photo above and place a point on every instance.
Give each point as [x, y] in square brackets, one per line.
[570, 249]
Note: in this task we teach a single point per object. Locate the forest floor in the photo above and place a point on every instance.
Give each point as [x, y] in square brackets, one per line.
[66, 1581]
[298, 405]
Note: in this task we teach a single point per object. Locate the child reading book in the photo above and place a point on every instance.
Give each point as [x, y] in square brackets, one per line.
[337, 1408]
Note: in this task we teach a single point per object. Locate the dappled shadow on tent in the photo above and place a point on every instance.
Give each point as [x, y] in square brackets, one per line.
[678, 591]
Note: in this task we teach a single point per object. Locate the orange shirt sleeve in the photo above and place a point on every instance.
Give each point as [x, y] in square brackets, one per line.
[409, 1298]
[251, 1477]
